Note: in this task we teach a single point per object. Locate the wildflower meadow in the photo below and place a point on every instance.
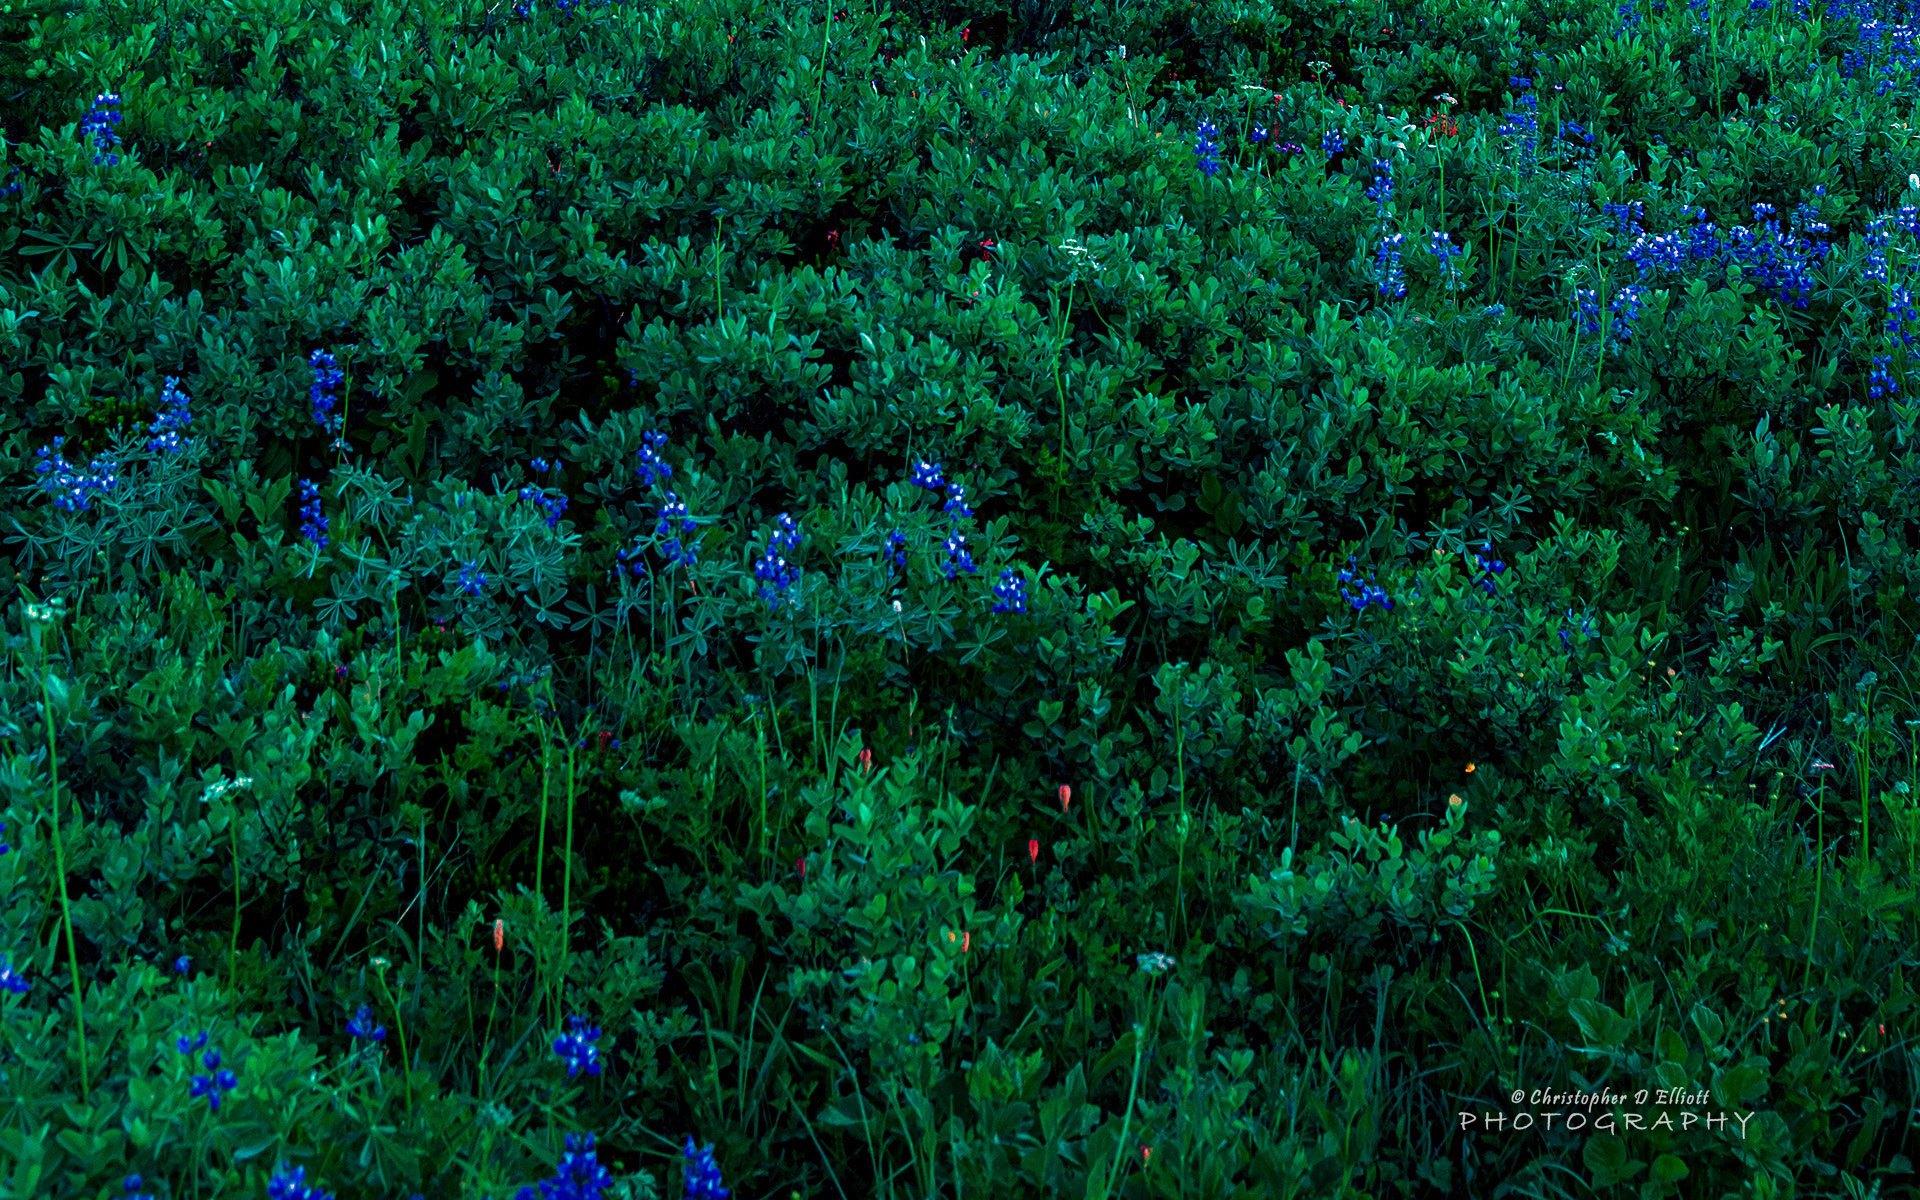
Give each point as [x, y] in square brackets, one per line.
[854, 601]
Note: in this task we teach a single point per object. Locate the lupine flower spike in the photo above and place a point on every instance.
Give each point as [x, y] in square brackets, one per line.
[361, 1026]
[703, 1174]
[291, 1184]
[576, 1047]
[579, 1175]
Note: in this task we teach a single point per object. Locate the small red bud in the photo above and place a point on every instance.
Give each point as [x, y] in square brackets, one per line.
[1066, 797]
[866, 759]
[1033, 850]
[801, 863]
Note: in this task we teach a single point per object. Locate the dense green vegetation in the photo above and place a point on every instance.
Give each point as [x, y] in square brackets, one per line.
[1171, 599]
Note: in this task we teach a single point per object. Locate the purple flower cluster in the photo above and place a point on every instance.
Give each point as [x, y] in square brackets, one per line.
[674, 526]
[1388, 270]
[1360, 593]
[1206, 149]
[101, 127]
[313, 521]
[1380, 191]
[217, 1081]
[553, 505]
[169, 425]
[652, 468]
[703, 1174]
[576, 1047]
[290, 1183]
[774, 569]
[470, 580]
[959, 555]
[1010, 594]
[361, 1026]
[1490, 569]
[321, 397]
[578, 1176]
[71, 488]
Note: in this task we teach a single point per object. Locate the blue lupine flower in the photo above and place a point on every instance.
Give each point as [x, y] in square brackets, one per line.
[131, 1188]
[959, 556]
[1877, 239]
[1901, 315]
[1626, 311]
[1361, 594]
[1575, 132]
[100, 126]
[1489, 568]
[1703, 237]
[1206, 149]
[1519, 126]
[1702, 11]
[1586, 303]
[1257, 135]
[1333, 143]
[652, 468]
[290, 1183]
[576, 1047]
[71, 488]
[1628, 218]
[1010, 594]
[183, 965]
[187, 1045]
[362, 1028]
[552, 505]
[776, 574]
[4, 848]
[1782, 261]
[216, 1082]
[320, 396]
[11, 980]
[956, 505]
[1520, 83]
[1443, 248]
[1572, 627]
[1629, 16]
[1380, 191]
[674, 524]
[896, 549]
[313, 522]
[929, 475]
[169, 425]
[1653, 254]
[703, 1174]
[1389, 272]
[580, 1175]
[630, 561]
[542, 466]
[1881, 384]
[471, 580]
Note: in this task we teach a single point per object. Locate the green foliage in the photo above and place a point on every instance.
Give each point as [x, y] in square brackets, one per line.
[1361, 832]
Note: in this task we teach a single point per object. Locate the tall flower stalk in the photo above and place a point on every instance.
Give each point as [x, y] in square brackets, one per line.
[39, 618]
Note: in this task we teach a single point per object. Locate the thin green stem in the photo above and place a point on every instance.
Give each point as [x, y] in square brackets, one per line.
[60, 873]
